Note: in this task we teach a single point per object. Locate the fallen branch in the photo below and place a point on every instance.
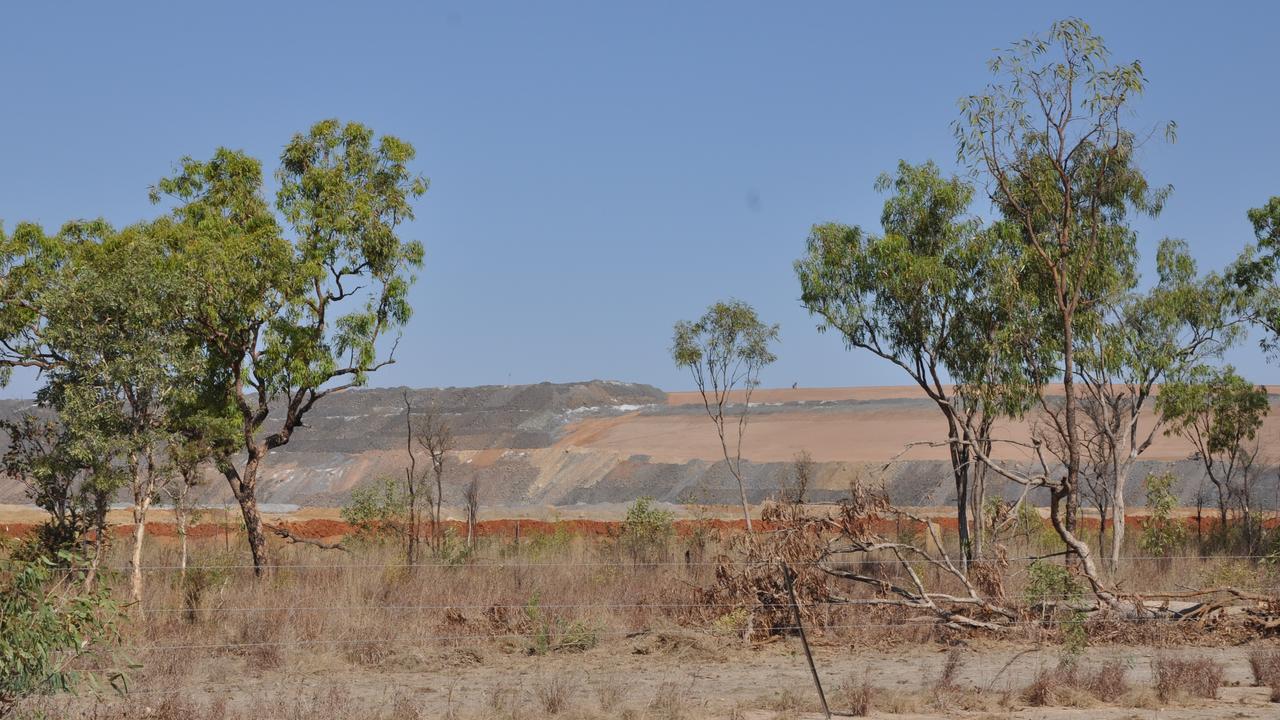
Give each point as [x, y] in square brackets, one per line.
[285, 533]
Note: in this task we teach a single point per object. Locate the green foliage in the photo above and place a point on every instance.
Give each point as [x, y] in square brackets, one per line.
[928, 293]
[646, 531]
[1049, 137]
[377, 510]
[1054, 586]
[1217, 408]
[1049, 583]
[40, 455]
[1220, 414]
[289, 306]
[729, 341]
[1255, 274]
[1162, 533]
[932, 296]
[46, 622]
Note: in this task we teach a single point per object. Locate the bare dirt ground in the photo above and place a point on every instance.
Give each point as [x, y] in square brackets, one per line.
[685, 675]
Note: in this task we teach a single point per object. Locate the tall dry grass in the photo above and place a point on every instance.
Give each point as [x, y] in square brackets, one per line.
[323, 611]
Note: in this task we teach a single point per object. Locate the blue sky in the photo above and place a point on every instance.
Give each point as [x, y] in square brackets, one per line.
[600, 170]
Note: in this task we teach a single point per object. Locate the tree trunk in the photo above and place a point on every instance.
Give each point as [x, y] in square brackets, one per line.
[1118, 514]
[742, 494]
[180, 519]
[244, 488]
[473, 509]
[140, 506]
[1222, 510]
[410, 474]
[437, 539]
[99, 538]
[1081, 549]
[1071, 481]
[977, 504]
[411, 552]
[962, 514]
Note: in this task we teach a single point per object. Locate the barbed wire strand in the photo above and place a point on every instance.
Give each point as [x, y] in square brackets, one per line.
[516, 564]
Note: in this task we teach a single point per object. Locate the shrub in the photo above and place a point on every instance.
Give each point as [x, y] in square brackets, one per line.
[1109, 682]
[46, 622]
[1048, 586]
[1042, 691]
[646, 531]
[1162, 534]
[1265, 665]
[668, 702]
[377, 511]
[1199, 677]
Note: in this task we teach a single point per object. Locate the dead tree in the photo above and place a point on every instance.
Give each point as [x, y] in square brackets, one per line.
[471, 499]
[436, 437]
[795, 483]
[413, 483]
[854, 534]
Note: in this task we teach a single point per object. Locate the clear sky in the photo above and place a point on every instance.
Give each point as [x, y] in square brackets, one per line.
[600, 170]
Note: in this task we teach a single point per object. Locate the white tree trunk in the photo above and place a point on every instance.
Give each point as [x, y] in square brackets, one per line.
[1118, 511]
[140, 507]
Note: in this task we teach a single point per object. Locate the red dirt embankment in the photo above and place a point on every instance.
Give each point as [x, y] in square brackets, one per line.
[320, 528]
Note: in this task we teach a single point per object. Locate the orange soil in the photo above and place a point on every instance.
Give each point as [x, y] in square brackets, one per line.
[860, 434]
[328, 529]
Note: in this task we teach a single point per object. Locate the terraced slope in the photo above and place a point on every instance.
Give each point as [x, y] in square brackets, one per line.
[604, 442]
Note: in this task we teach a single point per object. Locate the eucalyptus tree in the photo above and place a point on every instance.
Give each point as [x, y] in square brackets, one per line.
[124, 365]
[724, 351]
[40, 458]
[291, 304]
[1219, 413]
[32, 263]
[928, 295]
[1257, 274]
[86, 308]
[1142, 340]
[1049, 138]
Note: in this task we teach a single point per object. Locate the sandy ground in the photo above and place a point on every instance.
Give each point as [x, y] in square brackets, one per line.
[866, 433]
[714, 677]
[860, 435]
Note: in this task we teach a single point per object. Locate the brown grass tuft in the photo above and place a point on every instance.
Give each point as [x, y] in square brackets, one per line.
[668, 702]
[858, 697]
[1109, 682]
[555, 693]
[1265, 665]
[1194, 677]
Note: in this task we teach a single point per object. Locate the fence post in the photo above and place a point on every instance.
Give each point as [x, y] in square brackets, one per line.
[804, 640]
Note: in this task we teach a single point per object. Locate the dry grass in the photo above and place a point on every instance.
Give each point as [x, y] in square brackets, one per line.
[1109, 682]
[1189, 677]
[554, 694]
[1265, 665]
[557, 595]
[610, 696]
[669, 702]
[1071, 685]
[856, 697]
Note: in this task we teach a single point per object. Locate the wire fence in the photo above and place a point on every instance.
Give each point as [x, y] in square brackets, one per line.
[417, 640]
[500, 564]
